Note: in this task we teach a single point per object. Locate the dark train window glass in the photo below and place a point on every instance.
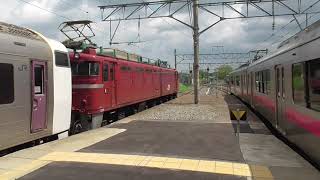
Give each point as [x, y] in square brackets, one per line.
[262, 82]
[278, 81]
[105, 72]
[85, 69]
[111, 73]
[314, 84]
[283, 83]
[231, 80]
[257, 81]
[237, 80]
[268, 82]
[62, 59]
[123, 68]
[38, 80]
[7, 83]
[298, 86]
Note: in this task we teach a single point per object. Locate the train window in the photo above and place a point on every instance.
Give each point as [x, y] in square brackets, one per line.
[7, 83]
[283, 83]
[257, 82]
[314, 84]
[278, 82]
[262, 81]
[38, 80]
[112, 72]
[237, 80]
[105, 72]
[85, 69]
[298, 85]
[62, 59]
[267, 82]
[123, 68]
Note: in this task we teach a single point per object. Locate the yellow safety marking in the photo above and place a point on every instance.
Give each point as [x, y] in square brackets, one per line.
[217, 167]
[28, 160]
[238, 114]
[22, 170]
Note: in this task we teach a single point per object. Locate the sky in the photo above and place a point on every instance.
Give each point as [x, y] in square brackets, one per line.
[163, 35]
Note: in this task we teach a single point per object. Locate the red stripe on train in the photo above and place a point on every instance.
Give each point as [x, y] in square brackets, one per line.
[306, 122]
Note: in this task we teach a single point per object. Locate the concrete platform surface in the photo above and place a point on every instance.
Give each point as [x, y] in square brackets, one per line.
[176, 140]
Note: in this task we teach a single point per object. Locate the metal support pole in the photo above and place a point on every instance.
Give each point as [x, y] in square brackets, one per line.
[196, 50]
[175, 59]
[238, 126]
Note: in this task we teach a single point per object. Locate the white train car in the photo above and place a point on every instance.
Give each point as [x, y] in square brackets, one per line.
[35, 87]
[62, 89]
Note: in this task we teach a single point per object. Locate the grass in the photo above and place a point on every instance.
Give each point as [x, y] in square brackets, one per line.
[183, 88]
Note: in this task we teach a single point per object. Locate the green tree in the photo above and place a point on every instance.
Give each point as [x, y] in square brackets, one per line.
[223, 71]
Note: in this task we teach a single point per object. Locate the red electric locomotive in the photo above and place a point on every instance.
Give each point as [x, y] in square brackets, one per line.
[104, 87]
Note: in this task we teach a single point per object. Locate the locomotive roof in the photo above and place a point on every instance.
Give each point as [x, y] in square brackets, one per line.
[309, 34]
[95, 57]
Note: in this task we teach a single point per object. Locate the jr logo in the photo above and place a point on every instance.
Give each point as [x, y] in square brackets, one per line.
[23, 68]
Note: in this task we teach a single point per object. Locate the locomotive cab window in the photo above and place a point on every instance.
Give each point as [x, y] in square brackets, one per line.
[112, 72]
[85, 68]
[105, 72]
[61, 59]
[7, 83]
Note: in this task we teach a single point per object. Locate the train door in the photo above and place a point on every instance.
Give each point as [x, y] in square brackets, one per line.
[251, 87]
[280, 93]
[39, 96]
[109, 85]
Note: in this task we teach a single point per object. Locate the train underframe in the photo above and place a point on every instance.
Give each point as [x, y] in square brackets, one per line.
[81, 122]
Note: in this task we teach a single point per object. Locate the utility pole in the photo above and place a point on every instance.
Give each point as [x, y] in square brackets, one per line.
[175, 59]
[196, 50]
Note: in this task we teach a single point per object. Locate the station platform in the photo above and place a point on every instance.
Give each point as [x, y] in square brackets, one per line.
[175, 140]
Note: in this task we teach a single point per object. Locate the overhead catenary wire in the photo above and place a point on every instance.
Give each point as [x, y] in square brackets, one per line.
[164, 20]
[53, 12]
[286, 25]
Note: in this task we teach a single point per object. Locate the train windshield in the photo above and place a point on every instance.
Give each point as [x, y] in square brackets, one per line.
[85, 68]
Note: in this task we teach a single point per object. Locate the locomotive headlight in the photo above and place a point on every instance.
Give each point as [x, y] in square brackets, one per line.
[76, 55]
[83, 103]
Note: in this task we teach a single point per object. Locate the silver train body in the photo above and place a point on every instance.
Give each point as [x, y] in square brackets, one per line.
[35, 87]
[285, 88]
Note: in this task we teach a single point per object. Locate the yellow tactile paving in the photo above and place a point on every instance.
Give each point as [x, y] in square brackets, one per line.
[206, 166]
[188, 164]
[171, 165]
[218, 167]
[224, 164]
[260, 171]
[25, 161]
[157, 164]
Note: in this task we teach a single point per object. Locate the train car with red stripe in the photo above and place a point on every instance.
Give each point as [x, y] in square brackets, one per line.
[284, 88]
[105, 87]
